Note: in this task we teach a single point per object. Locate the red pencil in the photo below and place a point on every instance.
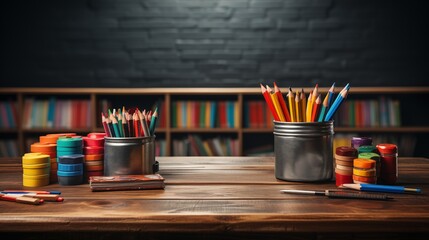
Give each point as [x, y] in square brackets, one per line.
[316, 109]
[267, 97]
[136, 125]
[282, 102]
[105, 126]
[27, 200]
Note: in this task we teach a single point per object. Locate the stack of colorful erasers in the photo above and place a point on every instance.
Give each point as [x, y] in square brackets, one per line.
[70, 160]
[93, 151]
[344, 157]
[36, 168]
[48, 145]
[364, 171]
[70, 169]
[374, 156]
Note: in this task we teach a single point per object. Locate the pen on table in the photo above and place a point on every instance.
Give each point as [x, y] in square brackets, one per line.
[45, 197]
[31, 191]
[381, 188]
[340, 194]
[26, 200]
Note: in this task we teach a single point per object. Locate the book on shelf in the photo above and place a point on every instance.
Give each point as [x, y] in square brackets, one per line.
[54, 113]
[8, 148]
[8, 114]
[257, 115]
[384, 112]
[204, 114]
[126, 182]
[160, 147]
[194, 145]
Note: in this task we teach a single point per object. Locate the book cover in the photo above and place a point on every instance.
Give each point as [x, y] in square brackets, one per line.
[126, 182]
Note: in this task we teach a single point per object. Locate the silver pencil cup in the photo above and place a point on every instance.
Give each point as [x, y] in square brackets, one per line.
[129, 156]
[303, 151]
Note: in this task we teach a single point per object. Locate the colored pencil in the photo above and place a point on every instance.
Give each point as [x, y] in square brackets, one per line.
[136, 123]
[323, 108]
[115, 126]
[26, 200]
[340, 98]
[105, 127]
[30, 191]
[291, 100]
[276, 104]
[110, 125]
[143, 123]
[298, 107]
[282, 102]
[309, 106]
[381, 188]
[269, 102]
[45, 197]
[121, 131]
[153, 120]
[316, 109]
[130, 125]
[303, 104]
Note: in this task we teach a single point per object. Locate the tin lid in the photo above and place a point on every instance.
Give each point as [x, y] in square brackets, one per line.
[367, 149]
[387, 148]
[346, 151]
[361, 141]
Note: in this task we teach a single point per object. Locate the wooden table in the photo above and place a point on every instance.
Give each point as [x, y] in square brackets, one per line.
[218, 197]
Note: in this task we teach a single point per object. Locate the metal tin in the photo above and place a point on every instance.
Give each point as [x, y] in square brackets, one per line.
[303, 151]
[129, 155]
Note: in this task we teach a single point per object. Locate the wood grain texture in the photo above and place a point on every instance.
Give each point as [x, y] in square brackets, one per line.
[233, 195]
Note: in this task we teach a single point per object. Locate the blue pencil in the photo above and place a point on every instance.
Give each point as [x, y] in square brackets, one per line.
[381, 188]
[340, 98]
[331, 95]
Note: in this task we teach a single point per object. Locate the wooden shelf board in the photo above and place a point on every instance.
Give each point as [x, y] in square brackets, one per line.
[200, 91]
[204, 130]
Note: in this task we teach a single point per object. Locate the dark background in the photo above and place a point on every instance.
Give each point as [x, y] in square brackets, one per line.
[213, 43]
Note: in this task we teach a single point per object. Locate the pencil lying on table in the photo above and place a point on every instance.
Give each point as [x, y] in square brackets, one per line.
[20, 199]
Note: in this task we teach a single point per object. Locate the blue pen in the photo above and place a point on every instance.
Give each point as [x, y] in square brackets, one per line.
[381, 188]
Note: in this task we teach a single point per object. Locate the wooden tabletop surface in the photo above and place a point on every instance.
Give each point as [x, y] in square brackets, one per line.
[218, 194]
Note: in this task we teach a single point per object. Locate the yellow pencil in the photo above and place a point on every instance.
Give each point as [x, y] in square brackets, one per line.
[309, 108]
[303, 104]
[276, 104]
[298, 107]
[313, 99]
[291, 101]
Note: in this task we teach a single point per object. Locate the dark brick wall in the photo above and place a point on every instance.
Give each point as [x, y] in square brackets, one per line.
[181, 43]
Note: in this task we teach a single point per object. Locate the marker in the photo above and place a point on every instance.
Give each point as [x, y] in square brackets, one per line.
[26, 200]
[381, 188]
[340, 194]
[46, 197]
[31, 191]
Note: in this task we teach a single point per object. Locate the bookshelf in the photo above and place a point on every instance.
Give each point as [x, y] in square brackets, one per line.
[248, 136]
